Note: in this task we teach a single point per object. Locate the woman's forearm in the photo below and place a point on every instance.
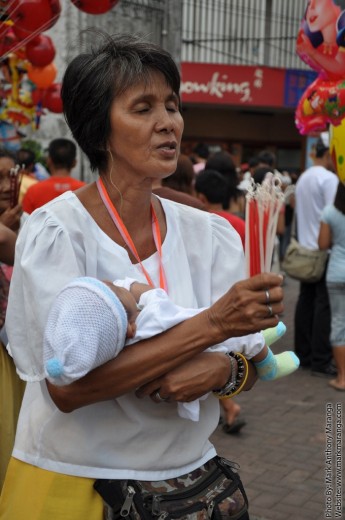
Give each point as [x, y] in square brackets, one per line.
[140, 363]
[242, 310]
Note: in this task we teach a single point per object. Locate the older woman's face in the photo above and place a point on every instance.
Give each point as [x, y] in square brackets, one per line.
[146, 130]
[6, 163]
[321, 13]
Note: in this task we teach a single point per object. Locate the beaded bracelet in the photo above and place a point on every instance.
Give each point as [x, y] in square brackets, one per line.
[238, 378]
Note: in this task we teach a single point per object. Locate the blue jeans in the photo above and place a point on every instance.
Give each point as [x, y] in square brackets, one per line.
[336, 293]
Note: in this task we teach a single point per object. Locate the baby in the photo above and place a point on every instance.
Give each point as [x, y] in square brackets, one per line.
[91, 321]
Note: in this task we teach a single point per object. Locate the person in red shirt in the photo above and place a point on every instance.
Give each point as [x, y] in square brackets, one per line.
[212, 189]
[60, 161]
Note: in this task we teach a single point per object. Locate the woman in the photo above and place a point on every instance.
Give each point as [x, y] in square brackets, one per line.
[119, 421]
[11, 387]
[332, 235]
[222, 163]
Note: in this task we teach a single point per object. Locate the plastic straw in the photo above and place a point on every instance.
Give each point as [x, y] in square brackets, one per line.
[263, 205]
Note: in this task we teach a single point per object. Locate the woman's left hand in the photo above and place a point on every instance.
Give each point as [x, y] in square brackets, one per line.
[193, 379]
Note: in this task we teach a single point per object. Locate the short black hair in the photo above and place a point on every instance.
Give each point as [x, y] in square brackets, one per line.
[267, 157]
[320, 148]
[222, 163]
[260, 173]
[214, 186]
[252, 162]
[63, 153]
[339, 201]
[93, 79]
[202, 150]
[26, 157]
[7, 154]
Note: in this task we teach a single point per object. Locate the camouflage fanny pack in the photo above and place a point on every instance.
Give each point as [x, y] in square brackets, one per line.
[213, 491]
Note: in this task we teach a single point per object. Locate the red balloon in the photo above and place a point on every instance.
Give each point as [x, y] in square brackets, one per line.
[34, 15]
[41, 51]
[8, 41]
[22, 34]
[43, 77]
[95, 7]
[52, 99]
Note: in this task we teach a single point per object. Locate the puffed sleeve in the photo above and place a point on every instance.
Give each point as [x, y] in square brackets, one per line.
[46, 259]
[228, 265]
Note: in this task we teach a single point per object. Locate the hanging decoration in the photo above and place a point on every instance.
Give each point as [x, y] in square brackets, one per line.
[27, 71]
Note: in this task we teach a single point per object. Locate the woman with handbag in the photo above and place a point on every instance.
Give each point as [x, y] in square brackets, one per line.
[332, 236]
[118, 425]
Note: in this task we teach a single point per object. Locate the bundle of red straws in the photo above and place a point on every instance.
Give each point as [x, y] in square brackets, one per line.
[263, 204]
[15, 181]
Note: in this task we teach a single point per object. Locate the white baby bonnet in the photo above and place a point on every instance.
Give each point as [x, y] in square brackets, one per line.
[86, 327]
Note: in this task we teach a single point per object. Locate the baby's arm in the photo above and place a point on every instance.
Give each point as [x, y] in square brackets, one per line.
[137, 289]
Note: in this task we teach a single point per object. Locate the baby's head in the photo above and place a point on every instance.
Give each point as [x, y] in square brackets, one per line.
[87, 325]
[129, 304]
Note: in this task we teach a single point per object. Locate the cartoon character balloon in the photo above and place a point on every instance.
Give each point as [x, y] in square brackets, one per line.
[321, 44]
[337, 148]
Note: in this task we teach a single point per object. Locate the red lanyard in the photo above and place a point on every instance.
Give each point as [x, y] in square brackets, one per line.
[127, 238]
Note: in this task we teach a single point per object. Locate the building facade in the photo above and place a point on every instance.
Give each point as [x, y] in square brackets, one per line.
[241, 78]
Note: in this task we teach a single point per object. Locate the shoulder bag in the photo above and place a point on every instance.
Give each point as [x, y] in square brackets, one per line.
[305, 265]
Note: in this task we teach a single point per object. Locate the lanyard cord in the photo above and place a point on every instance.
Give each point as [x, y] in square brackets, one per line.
[127, 238]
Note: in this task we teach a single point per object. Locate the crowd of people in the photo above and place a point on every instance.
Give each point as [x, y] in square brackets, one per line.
[160, 218]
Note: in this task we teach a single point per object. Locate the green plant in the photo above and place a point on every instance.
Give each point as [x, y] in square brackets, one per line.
[36, 148]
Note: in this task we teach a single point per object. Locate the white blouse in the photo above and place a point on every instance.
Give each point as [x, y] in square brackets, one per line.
[125, 437]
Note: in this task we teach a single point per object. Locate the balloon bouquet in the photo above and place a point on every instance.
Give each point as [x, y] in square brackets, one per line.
[27, 69]
[321, 44]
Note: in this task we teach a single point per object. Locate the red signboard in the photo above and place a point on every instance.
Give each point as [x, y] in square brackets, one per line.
[232, 85]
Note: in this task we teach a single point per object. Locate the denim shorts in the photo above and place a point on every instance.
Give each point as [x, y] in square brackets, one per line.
[336, 292]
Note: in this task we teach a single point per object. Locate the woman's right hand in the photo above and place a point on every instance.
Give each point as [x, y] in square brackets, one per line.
[245, 308]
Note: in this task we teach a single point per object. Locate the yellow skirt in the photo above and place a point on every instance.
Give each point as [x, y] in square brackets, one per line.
[11, 394]
[31, 493]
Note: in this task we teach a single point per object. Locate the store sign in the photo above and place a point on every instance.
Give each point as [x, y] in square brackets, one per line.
[232, 84]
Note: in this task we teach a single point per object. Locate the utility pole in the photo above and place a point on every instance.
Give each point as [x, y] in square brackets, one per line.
[172, 28]
[267, 33]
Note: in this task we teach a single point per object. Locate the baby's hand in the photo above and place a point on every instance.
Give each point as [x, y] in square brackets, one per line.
[137, 289]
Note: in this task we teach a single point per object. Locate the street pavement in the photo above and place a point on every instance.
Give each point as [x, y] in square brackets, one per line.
[287, 450]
